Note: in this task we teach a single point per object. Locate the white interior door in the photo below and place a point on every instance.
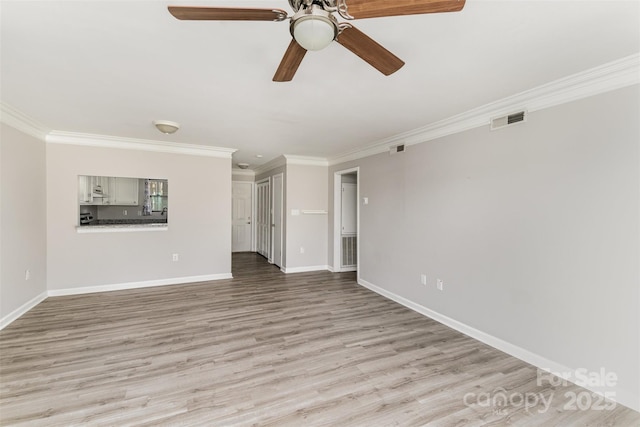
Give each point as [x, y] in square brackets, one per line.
[241, 216]
[263, 218]
[277, 219]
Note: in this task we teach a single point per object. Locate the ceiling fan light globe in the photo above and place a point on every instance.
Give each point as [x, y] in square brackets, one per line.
[314, 33]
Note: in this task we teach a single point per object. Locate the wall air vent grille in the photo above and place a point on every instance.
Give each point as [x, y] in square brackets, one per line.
[500, 122]
[396, 149]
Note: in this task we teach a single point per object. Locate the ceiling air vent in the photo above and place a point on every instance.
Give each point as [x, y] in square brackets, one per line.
[511, 119]
[396, 149]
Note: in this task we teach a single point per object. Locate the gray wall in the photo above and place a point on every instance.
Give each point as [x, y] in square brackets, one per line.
[22, 219]
[199, 229]
[533, 228]
[306, 190]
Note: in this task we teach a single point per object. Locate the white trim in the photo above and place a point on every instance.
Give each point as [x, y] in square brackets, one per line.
[116, 228]
[91, 140]
[138, 285]
[304, 269]
[242, 172]
[20, 121]
[15, 314]
[267, 167]
[306, 160]
[621, 396]
[604, 78]
[288, 159]
[254, 216]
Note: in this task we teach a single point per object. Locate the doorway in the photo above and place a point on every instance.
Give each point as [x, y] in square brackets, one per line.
[241, 196]
[346, 220]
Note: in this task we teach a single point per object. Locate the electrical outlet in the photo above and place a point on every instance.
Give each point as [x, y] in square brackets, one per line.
[176, 257]
[139, 213]
[301, 249]
[124, 212]
[440, 285]
[27, 275]
[423, 279]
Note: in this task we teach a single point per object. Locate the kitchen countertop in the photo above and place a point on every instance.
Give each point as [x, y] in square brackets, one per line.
[136, 221]
[120, 227]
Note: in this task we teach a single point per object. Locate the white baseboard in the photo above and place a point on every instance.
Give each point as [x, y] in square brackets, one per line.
[136, 285]
[623, 397]
[304, 269]
[6, 320]
[341, 269]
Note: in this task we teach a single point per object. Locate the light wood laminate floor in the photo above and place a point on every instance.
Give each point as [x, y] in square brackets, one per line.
[268, 349]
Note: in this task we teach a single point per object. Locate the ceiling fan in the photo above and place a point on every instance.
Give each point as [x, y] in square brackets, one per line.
[314, 26]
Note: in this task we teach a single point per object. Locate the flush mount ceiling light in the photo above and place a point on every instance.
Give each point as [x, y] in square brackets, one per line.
[165, 126]
[314, 28]
[243, 165]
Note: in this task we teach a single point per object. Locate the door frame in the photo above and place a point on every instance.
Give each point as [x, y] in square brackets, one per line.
[337, 219]
[254, 217]
[272, 257]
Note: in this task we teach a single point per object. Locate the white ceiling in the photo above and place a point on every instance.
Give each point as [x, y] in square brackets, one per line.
[112, 67]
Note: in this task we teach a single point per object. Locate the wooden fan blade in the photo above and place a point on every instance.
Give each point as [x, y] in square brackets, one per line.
[191, 13]
[377, 8]
[369, 50]
[290, 62]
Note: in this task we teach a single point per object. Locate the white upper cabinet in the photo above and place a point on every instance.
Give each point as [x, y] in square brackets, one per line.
[84, 190]
[102, 190]
[126, 192]
[94, 190]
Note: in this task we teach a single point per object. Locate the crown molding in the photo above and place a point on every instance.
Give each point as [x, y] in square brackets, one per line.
[605, 78]
[272, 164]
[306, 160]
[20, 121]
[289, 159]
[242, 172]
[91, 140]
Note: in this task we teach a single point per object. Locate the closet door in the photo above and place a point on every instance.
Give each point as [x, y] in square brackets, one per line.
[263, 222]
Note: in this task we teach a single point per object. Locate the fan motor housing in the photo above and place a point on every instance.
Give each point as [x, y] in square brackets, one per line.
[329, 5]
